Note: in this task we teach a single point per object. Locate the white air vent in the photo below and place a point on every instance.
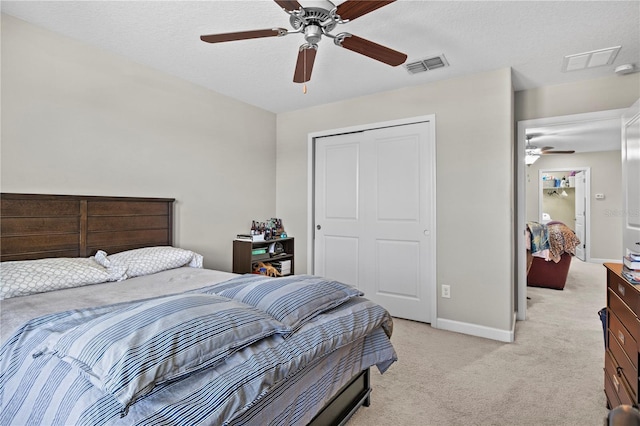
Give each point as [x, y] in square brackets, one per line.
[595, 58]
[426, 64]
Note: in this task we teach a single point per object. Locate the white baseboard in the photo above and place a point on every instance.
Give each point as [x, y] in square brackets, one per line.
[594, 260]
[478, 330]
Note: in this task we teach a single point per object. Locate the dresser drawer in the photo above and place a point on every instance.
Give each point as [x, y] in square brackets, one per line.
[624, 369]
[624, 313]
[626, 291]
[610, 391]
[624, 337]
[614, 385]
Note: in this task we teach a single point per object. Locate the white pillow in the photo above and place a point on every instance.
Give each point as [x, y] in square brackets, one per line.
[115, 269]
[24, 277]
[149, 260]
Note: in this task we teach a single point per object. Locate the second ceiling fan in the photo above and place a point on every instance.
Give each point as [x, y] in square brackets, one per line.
[317, 21]
[545, 150]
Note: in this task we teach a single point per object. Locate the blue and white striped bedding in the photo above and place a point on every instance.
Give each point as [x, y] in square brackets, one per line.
[292, 300]
[277, 380]
[129, 351]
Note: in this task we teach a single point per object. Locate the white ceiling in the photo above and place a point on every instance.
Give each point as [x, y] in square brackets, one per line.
[531, 37]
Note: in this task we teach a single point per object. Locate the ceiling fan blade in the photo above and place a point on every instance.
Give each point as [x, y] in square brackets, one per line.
[288, 5]
[352, 9]
[556, 152]
[304, 65]
[370, 49]
[244, 35]
[546, 148]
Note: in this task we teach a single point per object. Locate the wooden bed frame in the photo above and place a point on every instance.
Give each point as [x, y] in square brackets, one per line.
[36, 226]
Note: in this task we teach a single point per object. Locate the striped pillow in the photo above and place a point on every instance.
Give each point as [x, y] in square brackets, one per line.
[292, 300]
[129, 351]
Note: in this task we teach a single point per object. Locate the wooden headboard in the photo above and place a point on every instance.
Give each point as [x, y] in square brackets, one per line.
[35, 226]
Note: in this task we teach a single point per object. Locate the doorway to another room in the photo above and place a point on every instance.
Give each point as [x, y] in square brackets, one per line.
[600, 132]
[564, 197]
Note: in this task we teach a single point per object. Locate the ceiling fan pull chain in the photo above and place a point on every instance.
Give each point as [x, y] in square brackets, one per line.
[304, 86]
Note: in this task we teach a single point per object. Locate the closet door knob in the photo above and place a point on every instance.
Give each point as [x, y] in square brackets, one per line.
[318, 227]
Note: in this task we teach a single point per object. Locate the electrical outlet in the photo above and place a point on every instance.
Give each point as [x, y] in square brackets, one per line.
[446, 291]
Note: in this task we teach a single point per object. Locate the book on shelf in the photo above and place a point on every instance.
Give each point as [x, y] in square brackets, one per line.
[258, 251]
[630, 263]
[249, 237]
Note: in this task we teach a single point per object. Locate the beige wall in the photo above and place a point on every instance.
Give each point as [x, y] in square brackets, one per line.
[575, 98]
[606, 178]
[78, 120]
[474, 183]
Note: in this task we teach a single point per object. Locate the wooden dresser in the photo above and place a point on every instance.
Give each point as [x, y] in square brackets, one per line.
[623, 331]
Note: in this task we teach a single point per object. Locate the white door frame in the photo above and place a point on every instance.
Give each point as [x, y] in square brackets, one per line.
[587, 202]
[311, 149]
[521, 179]
[630, 227]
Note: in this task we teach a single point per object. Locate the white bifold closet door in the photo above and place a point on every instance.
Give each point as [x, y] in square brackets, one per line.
[374, 215]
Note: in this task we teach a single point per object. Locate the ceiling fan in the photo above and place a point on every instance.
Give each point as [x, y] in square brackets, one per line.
[317, 21]
[545, 150]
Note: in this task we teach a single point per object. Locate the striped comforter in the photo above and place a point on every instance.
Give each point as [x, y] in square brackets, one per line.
[278, 378]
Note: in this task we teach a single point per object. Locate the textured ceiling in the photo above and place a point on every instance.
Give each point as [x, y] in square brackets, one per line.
[530, 37]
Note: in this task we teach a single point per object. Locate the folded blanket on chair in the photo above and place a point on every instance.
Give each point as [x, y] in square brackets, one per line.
[561, 240]
[539, 237]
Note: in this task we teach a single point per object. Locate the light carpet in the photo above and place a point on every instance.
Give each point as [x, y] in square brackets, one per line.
[551, 375]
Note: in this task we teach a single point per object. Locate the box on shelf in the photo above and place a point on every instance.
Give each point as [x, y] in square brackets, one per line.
[283, 266]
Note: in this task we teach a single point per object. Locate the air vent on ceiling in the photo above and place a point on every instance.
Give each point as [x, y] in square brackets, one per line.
[426, 64]
[595, 58]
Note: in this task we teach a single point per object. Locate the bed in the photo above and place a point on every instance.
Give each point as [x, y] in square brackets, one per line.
[550, 247]
[279, 362]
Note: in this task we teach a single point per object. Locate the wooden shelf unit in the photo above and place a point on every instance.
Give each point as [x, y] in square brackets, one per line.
[243, 259]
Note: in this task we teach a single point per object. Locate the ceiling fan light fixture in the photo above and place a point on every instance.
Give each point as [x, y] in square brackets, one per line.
[529, 159]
